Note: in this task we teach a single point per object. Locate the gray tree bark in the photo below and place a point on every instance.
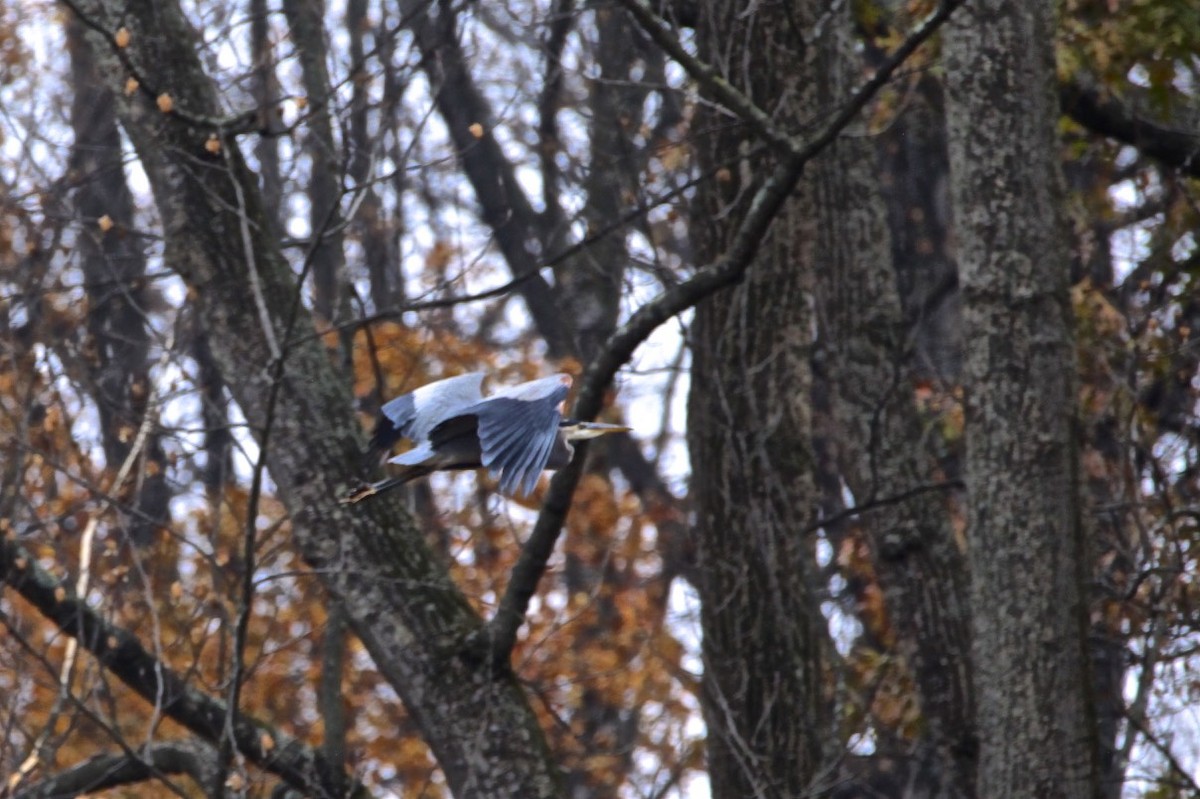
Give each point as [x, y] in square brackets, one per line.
[331, 296]
[267, 94]
[378, 232]
[1034, 716]
[117, 352]
[749, 431]
[401, 603]
[871, 362]
[915, 186]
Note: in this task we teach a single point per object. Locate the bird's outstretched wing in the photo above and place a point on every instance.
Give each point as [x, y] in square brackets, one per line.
[414, 415]
[517, 431]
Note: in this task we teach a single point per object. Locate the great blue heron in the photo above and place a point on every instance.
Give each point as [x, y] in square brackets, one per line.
[515, 433]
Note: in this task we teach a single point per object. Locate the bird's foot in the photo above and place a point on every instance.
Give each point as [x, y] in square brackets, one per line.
[358, 494]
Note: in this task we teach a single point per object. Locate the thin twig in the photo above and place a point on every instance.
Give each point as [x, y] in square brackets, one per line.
[562, 255]
[91, 716]
[122, 654]
[83, 581]
[260, 303]
[1178, 768]
[881, 502]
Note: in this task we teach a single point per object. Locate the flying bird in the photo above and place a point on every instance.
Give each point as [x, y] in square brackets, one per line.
[515, 433]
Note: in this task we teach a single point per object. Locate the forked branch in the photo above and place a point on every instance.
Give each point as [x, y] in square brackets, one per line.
[500, 634]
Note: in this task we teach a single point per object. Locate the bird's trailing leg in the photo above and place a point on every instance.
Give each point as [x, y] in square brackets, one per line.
[365, 490]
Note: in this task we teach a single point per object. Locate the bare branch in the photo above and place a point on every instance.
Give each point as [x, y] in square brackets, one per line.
[569, 251]
[121, 653]
[500, 635]
[111, 771]
[1182, 772]
[757, 119]
[86, 541]
[882, 502]
[1175, 147]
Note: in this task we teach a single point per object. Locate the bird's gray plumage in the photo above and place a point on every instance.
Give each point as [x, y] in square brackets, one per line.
[414, 415]
[516, 437]
[516, 433]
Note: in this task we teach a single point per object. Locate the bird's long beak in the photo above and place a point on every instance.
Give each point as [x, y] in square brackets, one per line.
[579, 431]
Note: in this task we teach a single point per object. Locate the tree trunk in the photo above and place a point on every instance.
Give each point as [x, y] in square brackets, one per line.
[331, 295]
[117, 354]
[750, 439]
[267, 94]
[378, 232]
[871, 366]
[1035, 723]
[912, 153]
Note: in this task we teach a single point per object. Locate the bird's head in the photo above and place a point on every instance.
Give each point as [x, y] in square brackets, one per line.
[575, 430]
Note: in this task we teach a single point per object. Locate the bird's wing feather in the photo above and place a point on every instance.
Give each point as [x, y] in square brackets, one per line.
[400, 411]
[536, 456]
[516, 435]
[415, 414]
[536, 390]
[413, 457]
[418, 412]
[450, 429]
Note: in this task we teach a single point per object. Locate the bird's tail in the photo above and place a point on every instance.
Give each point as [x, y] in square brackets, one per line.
[373, 457]
[383, 438]
[365, 490]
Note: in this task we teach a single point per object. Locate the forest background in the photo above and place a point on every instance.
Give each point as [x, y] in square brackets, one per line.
[898, 295]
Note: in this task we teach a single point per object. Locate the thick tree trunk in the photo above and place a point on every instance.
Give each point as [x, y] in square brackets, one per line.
[871, 367]
[749, 434]
[117, 355]
[1026, 547]
[399, 601]
[915, 186]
